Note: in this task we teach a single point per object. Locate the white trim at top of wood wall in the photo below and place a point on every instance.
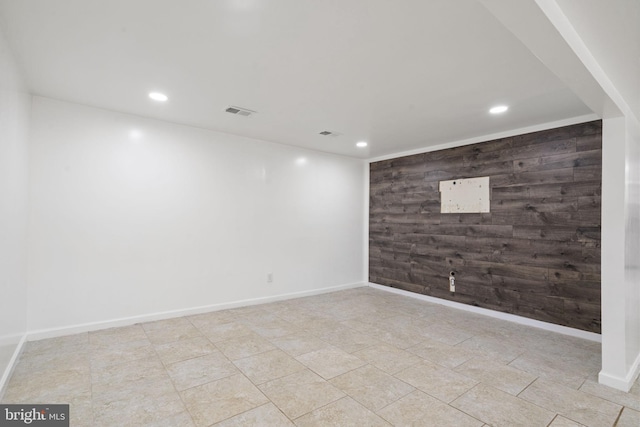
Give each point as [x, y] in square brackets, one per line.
[490, 137]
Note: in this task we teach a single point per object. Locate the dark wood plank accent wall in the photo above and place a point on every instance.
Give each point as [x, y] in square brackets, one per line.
[536, 254]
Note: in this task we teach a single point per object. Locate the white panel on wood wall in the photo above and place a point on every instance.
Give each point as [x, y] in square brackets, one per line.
[469, 195]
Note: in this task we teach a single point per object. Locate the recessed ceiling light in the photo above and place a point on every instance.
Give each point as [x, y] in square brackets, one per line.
[135, 134]
[157, 96]
[361, 144]
[498, 109]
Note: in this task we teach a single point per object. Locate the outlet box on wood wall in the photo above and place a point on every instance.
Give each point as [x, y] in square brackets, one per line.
[534, 253]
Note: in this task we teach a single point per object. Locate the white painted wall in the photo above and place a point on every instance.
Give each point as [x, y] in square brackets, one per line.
[14, 114]
[611, 31]
[613, 250]
[620, 249]
[133, 216]
[632, 245]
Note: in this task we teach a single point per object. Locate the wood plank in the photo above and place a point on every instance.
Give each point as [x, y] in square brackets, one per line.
[517, 271]
[543, 313]
[492, 244]
[430, 207]
[438, 241]
[549, 302]
[400, 162]
[551, 176]
[580, 291]
[571, 160]
[589, 142]
[555, 147]
[469, 230]
[516, 192]
[521, 285]
[566, 275]
[557, 233]
[576, 189]
[538, 259]
[588, 234]
[547, 204]
[466, 218]
[587, 173]
[590, 202]
[404, 187]
[527, 217]
[405, 286]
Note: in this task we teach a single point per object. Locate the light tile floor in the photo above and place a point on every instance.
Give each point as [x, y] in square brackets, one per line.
[361, 357]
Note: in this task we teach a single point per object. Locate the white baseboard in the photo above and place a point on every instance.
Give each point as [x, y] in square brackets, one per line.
[4, 381]
[95, 326]
[621, 383]
[591, 336]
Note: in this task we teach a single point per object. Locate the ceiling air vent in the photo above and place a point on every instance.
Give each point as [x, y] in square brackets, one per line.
[329, 133]
[239, 111]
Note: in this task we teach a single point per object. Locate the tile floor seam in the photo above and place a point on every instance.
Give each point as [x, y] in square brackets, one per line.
[320, 407]
[164, 365]
[197, 357]
[532, 381]
[528, 385]
[618, 417]
[583, 424]
[607, 399]
[391, 403]
[245, 357]
[467, 414]
[578, 391]
[270, 379]
[279, 410]
[240, 413]
[93, 415]
[397, 379]
[174, 387]
[552, 421]
[400, 379]
[250, 409]
[327, 379]
[443, 401]
[542, 407]
[450, 404]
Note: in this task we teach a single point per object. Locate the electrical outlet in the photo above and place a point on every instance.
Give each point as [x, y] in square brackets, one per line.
[452, 282]
[269, 277]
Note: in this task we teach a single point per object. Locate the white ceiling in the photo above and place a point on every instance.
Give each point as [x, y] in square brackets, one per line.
[400, 74]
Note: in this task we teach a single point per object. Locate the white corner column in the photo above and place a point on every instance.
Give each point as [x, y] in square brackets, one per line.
[613, 253]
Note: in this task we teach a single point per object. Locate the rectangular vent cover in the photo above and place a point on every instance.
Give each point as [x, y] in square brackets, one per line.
[239, 111]
[329, 133]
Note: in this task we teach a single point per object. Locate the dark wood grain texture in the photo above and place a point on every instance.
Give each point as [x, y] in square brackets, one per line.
[536, 254]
